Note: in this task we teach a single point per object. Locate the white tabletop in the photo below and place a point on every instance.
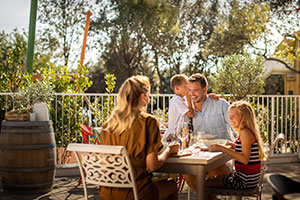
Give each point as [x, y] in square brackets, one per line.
[198, 165]
[203, 157]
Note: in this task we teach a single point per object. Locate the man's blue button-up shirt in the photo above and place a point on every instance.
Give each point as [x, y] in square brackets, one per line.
[213, 119]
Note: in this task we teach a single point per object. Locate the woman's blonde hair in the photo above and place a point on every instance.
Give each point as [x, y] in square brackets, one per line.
[249, 121]
[128, 104]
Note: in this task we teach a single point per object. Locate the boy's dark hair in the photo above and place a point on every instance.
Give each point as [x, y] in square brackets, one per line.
[200, 78]
[177, 80]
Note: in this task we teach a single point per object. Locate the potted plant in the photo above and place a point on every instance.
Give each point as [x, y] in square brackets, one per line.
[31, 98]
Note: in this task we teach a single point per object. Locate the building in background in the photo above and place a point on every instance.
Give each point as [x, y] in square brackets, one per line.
[291, 79]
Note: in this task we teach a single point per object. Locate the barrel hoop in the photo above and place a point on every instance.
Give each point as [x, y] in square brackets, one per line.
[20, 124]
[36, 169]
[49, 130]
[27, 185]
[27, 147]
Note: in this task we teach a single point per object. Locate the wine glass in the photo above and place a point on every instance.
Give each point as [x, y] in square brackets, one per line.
[199, 137]
[181, 133]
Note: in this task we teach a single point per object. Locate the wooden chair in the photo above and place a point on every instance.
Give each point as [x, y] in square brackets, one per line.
[256, 192]
[104, 165]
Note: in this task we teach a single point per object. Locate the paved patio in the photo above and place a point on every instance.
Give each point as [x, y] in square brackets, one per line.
[66, 187]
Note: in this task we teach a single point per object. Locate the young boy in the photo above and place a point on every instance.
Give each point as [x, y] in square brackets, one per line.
[180, 106]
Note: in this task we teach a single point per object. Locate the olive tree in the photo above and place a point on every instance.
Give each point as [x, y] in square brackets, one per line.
[239, 75]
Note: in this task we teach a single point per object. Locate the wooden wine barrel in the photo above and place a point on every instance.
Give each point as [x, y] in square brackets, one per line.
[27, 156]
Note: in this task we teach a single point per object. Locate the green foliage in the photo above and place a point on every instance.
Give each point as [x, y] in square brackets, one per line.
[110, 81]
[244, 26]
[240, 75]
[105, 104]
[12, 60]
[287, 49]
[63, 24]
[31, 93]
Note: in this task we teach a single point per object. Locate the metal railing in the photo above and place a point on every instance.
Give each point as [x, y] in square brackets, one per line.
[275, 114]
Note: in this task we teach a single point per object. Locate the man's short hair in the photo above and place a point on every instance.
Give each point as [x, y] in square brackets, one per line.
[200, 78]
[177, 80]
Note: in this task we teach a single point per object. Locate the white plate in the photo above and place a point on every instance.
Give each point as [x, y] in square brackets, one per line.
[208, 136]
[208, 142]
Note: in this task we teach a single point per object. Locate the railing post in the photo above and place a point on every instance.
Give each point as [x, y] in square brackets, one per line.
[272, 119]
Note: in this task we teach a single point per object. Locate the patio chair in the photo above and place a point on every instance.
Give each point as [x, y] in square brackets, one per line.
[104, 165]
[86, 132]
[256, 192]
[283, 185]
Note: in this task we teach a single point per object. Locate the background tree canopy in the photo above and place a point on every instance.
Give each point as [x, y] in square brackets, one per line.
[157, 38]
[239, 75]
[169, 37]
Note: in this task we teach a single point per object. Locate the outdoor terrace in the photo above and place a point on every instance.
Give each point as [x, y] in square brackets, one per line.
[276, 113]
[65, 187]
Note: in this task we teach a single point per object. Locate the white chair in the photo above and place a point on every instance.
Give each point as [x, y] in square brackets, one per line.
[104, 165]
[256, 192]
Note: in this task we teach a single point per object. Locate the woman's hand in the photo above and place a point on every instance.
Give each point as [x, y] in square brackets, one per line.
[174, 148]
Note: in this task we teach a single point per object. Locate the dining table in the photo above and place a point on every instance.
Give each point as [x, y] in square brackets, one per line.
[198, 164]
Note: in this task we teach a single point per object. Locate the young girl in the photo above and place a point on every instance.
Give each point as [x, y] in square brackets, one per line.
[247, 150]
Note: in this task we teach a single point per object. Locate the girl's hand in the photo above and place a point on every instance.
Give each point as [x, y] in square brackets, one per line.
[174, 148]
[215, 147]
[232, 144]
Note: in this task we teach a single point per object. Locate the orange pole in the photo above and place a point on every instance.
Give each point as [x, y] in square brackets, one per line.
[86, 30]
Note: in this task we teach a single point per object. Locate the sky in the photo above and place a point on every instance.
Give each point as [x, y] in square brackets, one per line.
[14, 14]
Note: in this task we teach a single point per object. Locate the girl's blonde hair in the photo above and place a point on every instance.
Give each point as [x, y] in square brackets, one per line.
[128, 106]
[249, 121]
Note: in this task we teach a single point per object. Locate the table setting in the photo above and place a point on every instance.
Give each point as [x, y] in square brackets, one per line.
[194, 156]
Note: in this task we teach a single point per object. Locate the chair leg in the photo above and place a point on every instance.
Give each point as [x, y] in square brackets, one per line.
[79, 181]
[180, 182]
[189, 193]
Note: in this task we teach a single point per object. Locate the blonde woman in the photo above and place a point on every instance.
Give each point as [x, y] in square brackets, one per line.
[130, 126]
[247, 150]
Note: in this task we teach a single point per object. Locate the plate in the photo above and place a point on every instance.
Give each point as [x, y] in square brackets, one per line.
[208, 142]
[182, 153]
[208, 136]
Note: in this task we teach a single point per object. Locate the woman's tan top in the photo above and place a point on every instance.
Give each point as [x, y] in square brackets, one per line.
[140, 140]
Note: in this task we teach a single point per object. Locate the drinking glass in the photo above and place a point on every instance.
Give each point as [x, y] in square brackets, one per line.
[199, 137]
[181, 133]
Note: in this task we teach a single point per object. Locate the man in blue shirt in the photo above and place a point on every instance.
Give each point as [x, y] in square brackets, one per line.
[210, 116]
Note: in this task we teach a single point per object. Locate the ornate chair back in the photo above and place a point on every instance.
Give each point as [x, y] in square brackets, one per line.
[104, 165]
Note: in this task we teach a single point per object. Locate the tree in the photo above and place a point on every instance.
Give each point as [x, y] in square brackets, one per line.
[239, 75]
[62, 22]
[12, 60]
[244, 25]
[284, 21]
[127, 25]
[282, 8]
[180, 36]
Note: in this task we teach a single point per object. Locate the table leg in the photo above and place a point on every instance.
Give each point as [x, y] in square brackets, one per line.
[200, 183]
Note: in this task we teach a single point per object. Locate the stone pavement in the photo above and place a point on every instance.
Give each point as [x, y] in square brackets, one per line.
[66, 187]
